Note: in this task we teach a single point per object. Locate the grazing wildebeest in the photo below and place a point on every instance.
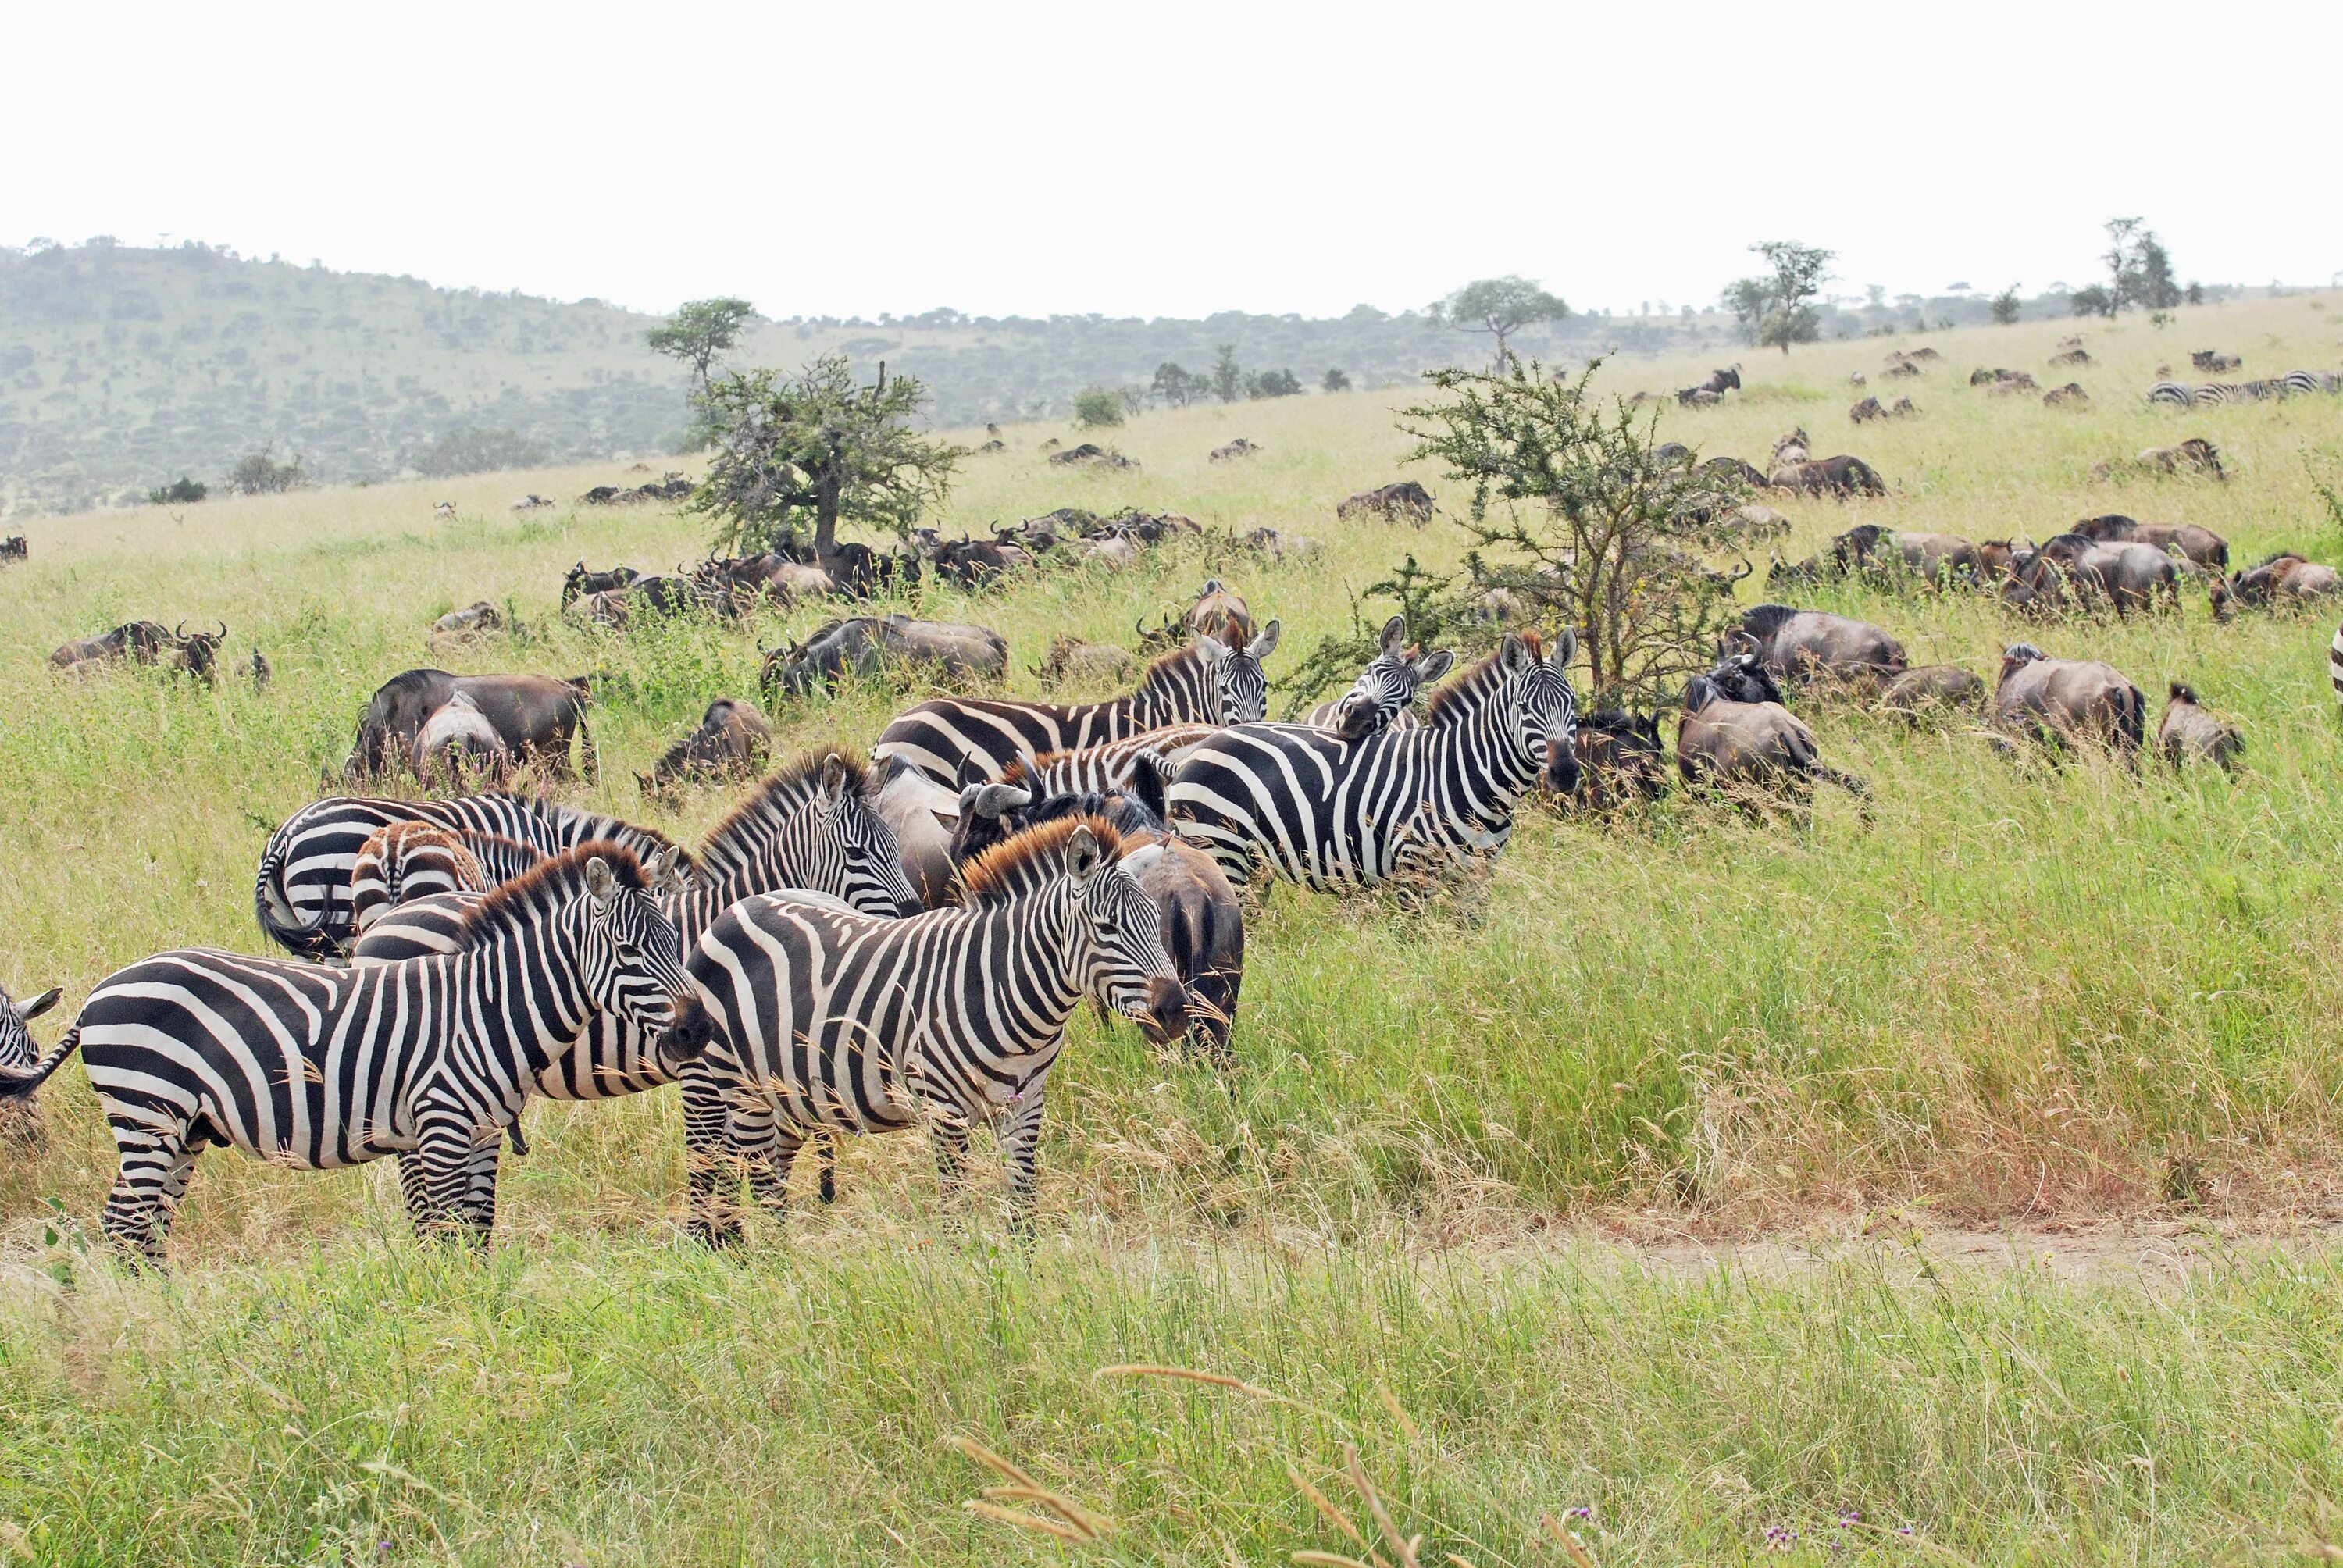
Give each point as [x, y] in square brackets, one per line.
[1933, 687]
[1073, 662]
[1839, 475]
[2070, 396]
[579, 580]
[866, 645]
[197, 652]
[1695, 397]
[1405, 500]
[1117, 550]
[1744, 745]
[2066, 702]
[2211, 359]
[1902, 408]
[1870, 549]
[1620, 760]
[2191, 734]
[2201, 545]
[138, 642]
[1733, 471]
[1219, 612]
[535, 716]
[2126, 574]
[1091, 452]
[1240, 447]
[2075, 356]
[1866, 410]
[1277, 545]
[1857, 379]
[730, 742]
[20, 1115]
[14, 549]
[2284, 578]
[474, 618]
[2195, 455]
[531, 501]
[458, 746]
[1800, 645]
[971, 563]
[1719, 382]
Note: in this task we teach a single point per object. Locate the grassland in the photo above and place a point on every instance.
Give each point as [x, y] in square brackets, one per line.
[2022, 993]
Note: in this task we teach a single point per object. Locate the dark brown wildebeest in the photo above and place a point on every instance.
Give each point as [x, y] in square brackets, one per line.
[1932, 688]
[2070, 396]
[21, 1128]
[1866, 410]
[970, 563]
[2191, 734]
[1801, 645]
[535, 716]
[1278, 546]
[1840, 475]
[2075, 356]
[2202, 546]
[1091, 453]
[1240, 447]
[1741, 746]
[1620, 760]
[1073, 662]
[138, 642]
[198, 651]
[1903, 368]
[2284, 578]
[1792, 449]
[730, 742]
[995, 445]
[477, 617]
[1719, 382]
[1405, 501]
[866, 645]
[1733, 471]
[1902, 408]
[2210, 359]
[2129, 576]
[2194, 456]
[459, 747]
[579, 582]
[261, 671]
[14, 549]
[1697, 397]
[2067, 701]
[1219, 612]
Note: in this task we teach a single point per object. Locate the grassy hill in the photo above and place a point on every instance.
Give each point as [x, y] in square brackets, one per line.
[2019, 994]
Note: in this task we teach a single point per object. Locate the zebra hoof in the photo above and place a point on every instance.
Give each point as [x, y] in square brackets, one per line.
[829, 1187]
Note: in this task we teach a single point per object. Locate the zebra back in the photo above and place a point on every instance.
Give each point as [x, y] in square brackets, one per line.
[2176, 393]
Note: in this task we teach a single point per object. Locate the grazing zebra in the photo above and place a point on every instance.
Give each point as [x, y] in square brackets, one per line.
[20, 1117]
[811, 827]
[301, 894]
[957, 741]
[1380, 697]
[2305, 382]
[832, 1020]
[406, 860]
[2176, 393]
[302, 1065]
[1330, 813]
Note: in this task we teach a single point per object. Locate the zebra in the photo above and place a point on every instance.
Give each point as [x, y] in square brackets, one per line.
[412, 859]
[811, 827]
[301, 895]
[304, 1065]
[1380, 697]
[832, 1021]
[2179, 394]
[2335, 664]
[957, 741]
[20, 1118]
[2305, 382]
[1330, 813]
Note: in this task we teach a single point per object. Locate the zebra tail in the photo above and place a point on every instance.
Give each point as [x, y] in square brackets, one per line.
[281, 923]
[20, 1082]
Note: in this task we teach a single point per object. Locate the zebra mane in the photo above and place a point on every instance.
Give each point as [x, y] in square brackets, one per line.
[734, 840]
[1162, 667]
[1465, 693]
[1030, 860]
[600, 824]
[553, 882]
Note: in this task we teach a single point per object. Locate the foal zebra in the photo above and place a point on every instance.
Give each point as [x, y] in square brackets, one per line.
[831, 1019]
[1379, 699]
[957, 741]
[411, 860]
[1330, 813]
[302, 1065]
[302, 893]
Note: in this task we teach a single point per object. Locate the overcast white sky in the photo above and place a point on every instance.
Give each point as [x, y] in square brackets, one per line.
[854, 158]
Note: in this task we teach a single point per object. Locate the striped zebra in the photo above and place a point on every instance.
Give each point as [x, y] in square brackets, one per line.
[829, 1019]
[2218, 392]
[1330, 813]
[20, 1117]
[416, 859]
[302, 893]
[811, 827]
[307, 1066]
[2335, 664]
[957, 741]
[2179, 394]
[2302, 383]
[1381, 698]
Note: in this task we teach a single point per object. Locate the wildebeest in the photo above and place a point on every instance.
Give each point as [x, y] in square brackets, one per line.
[922, 813]
[2125, 575]
[1073, 662]
[970, 563]
[1744, 745]
[2191, 734]
[1719, 382]
[144, 642]
[1278, 544]
[477, 617]
[2284, 578]
[1839, 475]
[995, 445]
[1091, 453]
[1621, 760]
[579, 582]
[2194, 456]
[443, 508]
[1405, 500]
[1219, 612]
[531, 501]
[1903, 368]
[2201, 545]
[14, 549]
[457, 746]
[867, 645]
[1115, 550]
[1699, 397]
[1801, 644]
[535, 716]
[1870, 549]
[197, 652]
[730, 742]
[20, 1115]
[1792, 449]
[1760, 522]
[2066, 702]
[2211, 359]
[260, 670]
[1240, 447]
[1932, 687]
[2070, 396]
[1866, 410]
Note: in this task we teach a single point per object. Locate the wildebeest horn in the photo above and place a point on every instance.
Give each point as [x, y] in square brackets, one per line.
[223, 631]
[180, 631]
[1745, 569]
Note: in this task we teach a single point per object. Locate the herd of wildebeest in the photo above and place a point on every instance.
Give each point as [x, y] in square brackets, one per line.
[1159, 773]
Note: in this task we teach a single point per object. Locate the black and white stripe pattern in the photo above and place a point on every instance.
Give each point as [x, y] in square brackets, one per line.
[2179, 394]
[1382, 697]
[2335, 664]
[311, 1067]
[20, 1114]
[302, 893]
[958, 741]
[409, 860]
[831, 1019]
[1329, 813]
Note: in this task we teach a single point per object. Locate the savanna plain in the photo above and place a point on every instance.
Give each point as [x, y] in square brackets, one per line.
[1597, 1209]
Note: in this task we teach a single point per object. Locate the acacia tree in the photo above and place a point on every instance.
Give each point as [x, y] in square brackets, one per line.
[1499, 306]
[2139, 271]
[1775, 311]
[699, 331]
[817, 448]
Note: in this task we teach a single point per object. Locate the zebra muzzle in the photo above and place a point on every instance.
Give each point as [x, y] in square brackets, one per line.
[688, 1037]
[1167, 1007]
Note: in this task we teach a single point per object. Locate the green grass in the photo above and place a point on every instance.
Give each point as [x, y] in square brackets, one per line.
[2021, 991]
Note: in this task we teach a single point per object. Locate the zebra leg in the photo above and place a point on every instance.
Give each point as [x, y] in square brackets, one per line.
[706, 1163]
[948, 1130]
[1017, 1137]
[412, 1188]
[827, 1140]
[770, 1163]
[444, 1152]
[480, 1186]
[154, 1174]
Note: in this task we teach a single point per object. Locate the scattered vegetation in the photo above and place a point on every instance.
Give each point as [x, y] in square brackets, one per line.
[182, 491]
[260, 474]
[470, 451]
[1500, 307]
[1097, 408]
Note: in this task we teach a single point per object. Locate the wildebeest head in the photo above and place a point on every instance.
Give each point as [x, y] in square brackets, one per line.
[992, 813]
[1388, 684]
[1236, 675]
[1741, 676]
[1620, 758]
[199, 652]
[2016, 656]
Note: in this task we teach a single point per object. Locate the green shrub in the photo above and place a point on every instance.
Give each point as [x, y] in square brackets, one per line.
[1096, 406]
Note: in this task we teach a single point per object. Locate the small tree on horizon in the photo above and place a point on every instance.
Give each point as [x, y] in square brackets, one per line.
[1096, 407]
[698, 332]
[1177, 386]
[1500, 307]
[814, 449]
[183, 491]
[1228, 375]
[2006, 307]
[1336, 381]
[260, 474]
[1798, 273]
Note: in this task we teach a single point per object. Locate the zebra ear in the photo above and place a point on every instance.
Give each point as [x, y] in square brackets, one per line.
[1211, 649]
[41, 1003]
[1566, 648]
[1265, 644]
[599, 882]
[1394, 633]
[1432, 666]
[833, 782]
[1084, 856]
[1512, 654]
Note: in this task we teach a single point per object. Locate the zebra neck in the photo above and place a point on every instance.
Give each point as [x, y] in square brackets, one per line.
[522, 993]
[749, 861]
[1171, 695]
[1033, 986]
[1493, 734]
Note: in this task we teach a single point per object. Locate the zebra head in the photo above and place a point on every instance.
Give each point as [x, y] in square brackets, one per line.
[634, 960]
[856, 846]
[1118, 934]
[1387, 685]
[1546, 709]
[1235, 673]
